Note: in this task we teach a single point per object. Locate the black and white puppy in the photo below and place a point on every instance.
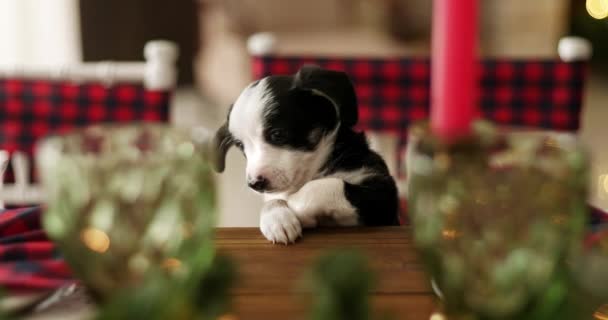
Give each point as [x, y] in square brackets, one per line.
[304, 156]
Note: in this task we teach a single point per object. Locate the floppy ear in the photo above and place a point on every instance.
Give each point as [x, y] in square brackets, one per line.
[221, 144]
[334, 86]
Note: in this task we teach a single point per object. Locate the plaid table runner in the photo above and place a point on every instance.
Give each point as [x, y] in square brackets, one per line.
[32, 109]
[393, 93]
[28, 260]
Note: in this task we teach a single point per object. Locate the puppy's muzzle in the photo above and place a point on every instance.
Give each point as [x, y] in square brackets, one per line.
[259, 184]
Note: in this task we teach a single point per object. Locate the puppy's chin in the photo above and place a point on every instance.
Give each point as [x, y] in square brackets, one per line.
[299, 179]
[291, 188]
[276, 191]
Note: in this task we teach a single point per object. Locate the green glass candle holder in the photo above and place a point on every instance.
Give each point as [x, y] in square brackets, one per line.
[125, 200]
[496, 216]
[590, 270]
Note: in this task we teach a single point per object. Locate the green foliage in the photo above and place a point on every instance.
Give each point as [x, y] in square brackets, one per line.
[213, 294]
[341, 282]
[200, 296]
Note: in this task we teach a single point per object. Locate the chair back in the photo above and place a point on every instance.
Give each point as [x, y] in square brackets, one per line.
[38, 101]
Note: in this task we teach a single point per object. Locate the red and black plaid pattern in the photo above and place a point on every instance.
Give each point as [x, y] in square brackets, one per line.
[31, 109]
[28, 260]
[393, 93]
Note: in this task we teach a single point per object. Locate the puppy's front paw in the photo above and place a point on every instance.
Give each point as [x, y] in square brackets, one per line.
[279, 223]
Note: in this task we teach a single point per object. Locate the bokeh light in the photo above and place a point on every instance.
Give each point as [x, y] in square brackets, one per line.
[601, 313]
[172, 264]
[597, 8]
[95, 240]
[602, 185]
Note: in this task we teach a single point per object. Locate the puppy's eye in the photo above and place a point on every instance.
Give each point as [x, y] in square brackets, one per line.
[238, 144]
[277, 136]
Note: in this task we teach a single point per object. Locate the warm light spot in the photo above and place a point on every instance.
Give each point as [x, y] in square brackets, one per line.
[449, 234]
[597, 8]
[437, 316]
[95, 239]
[172, 264]
[601, 313]
[227, 317]
[602, 186]
[604, 179]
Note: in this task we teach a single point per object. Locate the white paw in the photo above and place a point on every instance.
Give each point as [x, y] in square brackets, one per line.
[279, 224]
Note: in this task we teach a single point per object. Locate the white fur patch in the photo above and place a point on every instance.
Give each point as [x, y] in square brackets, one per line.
[279, 224]
[246, 115]
[353, 177]
[323, 198]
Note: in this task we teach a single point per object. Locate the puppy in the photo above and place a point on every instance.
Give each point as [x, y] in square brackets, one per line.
[303, 155]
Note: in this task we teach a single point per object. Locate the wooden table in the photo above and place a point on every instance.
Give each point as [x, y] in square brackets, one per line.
[269, 274]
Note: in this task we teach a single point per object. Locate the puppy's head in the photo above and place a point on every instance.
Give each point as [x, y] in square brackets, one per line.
[285, 126]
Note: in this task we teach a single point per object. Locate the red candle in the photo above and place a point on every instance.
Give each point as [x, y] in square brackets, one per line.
[454, 67]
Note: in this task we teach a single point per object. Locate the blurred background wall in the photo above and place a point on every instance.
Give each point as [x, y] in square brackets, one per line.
[119, 29]
[360, 27]
[40, 31]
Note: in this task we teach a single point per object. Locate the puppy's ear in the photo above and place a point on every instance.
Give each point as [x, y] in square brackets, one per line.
[221, 144]
[334, 86]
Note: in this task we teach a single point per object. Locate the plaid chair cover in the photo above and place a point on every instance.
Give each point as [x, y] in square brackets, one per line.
[31, 109]
[393, 93]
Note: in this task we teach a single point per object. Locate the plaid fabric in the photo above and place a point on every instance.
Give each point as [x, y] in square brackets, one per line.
[31, 109]
[393, 93]
[28, 260]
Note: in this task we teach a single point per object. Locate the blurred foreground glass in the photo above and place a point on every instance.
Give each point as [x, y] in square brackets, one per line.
[591, 270]
[125, 200]
[496, 218]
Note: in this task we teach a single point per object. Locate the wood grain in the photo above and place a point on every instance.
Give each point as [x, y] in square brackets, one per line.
[270, 276]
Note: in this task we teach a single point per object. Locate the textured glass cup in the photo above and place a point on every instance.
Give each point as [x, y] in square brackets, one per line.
[590, 270]
[123, 200]
[496, 216]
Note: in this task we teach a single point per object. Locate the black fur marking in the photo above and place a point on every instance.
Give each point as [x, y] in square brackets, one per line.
[222, 142]
[293, 117]
[334, 84]
[376, 198]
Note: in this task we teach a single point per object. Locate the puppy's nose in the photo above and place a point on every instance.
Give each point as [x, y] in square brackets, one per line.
[258, 184]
